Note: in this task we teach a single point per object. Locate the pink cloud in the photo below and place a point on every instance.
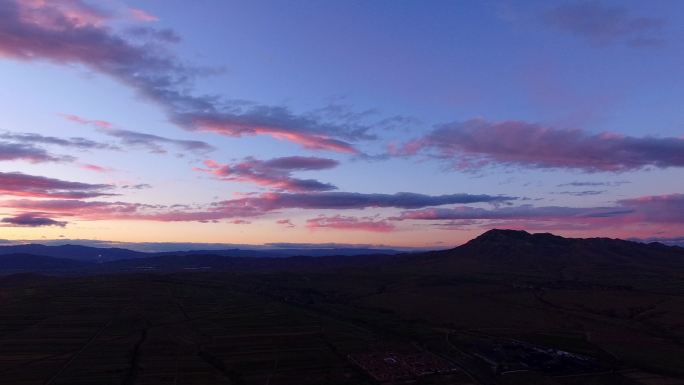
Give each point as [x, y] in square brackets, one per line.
[657, 208]
[54, 13]
[284, 126]
[80, 120]
[102, 210]
[141, 15]
[69, 32]
[286, 222]
[479, 143]
[339, 222]
[274, 173]
[96, 168]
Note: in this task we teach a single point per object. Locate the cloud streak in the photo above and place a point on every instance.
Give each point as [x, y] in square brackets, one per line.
[518, 212]
[251, 206]
[350, 200]
[339, 222]
[156, 143]
[76, 142]
[153, 143]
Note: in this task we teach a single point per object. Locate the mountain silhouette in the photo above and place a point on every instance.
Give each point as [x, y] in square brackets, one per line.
[495, 251]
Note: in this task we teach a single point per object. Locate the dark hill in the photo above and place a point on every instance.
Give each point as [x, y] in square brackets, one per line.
[549, 256]
[544, 249]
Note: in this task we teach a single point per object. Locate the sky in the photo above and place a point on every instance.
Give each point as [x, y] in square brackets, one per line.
[399, 123]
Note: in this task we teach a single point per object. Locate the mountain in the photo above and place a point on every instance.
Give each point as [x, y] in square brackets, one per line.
[496, 251]
[37, 263]
[540, 256]
[75, 252]
[546, 250]
[97, 254]
[550, 257]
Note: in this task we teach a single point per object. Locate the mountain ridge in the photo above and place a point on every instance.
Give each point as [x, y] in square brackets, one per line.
[494, 250]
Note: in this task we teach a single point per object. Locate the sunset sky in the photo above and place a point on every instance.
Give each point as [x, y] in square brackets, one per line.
[402, 123]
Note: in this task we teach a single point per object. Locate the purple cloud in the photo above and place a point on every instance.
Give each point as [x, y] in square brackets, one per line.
[31, 220]
[350, 200]
[339, 222]
[518, 212]
[475, 144]
[657, 210]
[603, 24]
[29, 153]
[18, 184]
[155, 143]
[32, 138]
[291, 163]
[582, 193]
[241, 208]
[593, 184]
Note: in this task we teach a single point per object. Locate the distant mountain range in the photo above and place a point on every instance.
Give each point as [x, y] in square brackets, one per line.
[40, 263]
[99, 254]
[495, 251]
[74, 252]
